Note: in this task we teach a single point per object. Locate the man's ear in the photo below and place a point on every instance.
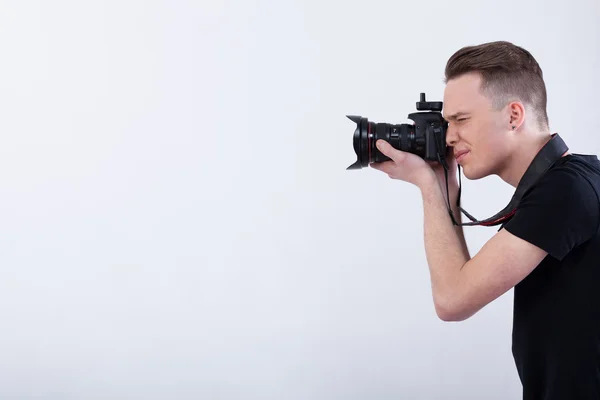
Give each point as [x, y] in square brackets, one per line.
[516, 111]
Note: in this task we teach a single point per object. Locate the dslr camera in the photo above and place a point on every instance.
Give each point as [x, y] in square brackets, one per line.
[425, 138]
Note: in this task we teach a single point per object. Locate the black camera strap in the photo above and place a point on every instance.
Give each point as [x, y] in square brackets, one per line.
[544, 159]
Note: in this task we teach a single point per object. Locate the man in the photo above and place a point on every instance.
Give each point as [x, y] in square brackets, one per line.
[549, 249]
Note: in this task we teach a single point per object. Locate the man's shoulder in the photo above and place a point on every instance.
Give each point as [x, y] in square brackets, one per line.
[584, 163]
[572, 175]
[562, 209]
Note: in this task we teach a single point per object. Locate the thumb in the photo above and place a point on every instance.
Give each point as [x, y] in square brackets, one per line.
[386, 149]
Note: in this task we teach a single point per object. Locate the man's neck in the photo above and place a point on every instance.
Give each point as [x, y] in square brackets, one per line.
[518, 163]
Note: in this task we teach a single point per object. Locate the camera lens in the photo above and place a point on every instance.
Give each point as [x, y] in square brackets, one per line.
[401, 136]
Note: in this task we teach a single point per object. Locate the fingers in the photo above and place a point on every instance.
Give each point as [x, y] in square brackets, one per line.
[396, 157]
[386, 166]
[386, 149]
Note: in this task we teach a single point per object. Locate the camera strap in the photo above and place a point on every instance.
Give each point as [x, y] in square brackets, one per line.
[544, 159]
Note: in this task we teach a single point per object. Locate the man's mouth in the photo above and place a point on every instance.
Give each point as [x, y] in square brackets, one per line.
[460, 155]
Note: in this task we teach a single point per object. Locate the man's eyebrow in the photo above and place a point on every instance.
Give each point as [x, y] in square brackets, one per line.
[456, 115]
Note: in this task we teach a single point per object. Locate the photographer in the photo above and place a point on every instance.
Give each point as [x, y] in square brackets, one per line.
[548, 249]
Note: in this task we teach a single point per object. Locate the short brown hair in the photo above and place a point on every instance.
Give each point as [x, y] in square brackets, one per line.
[508, 73]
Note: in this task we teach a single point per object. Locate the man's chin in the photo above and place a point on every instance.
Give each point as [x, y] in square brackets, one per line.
[473, 174]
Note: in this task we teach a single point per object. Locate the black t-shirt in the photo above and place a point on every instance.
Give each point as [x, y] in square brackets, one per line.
[556, 325]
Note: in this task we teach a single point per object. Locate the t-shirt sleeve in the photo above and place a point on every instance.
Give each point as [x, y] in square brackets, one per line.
[558, 214]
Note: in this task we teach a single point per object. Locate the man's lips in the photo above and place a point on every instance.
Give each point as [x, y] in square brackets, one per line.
[459, 154]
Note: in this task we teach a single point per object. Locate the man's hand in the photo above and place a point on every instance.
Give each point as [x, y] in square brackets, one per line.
[404, 166]
[412, 168]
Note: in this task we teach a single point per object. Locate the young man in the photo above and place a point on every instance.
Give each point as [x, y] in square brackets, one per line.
[548, 250]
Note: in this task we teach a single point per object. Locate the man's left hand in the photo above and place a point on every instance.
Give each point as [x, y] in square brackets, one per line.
[403, 165]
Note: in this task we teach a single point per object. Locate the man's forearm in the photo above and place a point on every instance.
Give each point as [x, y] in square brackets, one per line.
[445, 245]
[457, 216]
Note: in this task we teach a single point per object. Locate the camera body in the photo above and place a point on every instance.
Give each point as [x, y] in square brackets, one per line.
[425, 138]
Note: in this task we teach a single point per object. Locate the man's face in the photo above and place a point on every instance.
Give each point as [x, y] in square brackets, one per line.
[475, 127]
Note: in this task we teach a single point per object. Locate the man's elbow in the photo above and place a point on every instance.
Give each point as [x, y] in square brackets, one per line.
[450, 312]
[446, 314]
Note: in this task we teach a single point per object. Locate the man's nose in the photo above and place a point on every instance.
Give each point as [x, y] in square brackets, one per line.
[451, 136]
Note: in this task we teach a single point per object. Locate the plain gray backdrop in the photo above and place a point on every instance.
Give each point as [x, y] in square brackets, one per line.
[177, 221]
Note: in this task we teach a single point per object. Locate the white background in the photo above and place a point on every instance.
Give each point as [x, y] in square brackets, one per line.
[176, 218]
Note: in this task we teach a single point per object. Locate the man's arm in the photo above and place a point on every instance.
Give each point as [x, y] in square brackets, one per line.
[458, 229]
[462, 286]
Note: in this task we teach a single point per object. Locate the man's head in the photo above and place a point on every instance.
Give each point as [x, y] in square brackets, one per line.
[494, 101]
